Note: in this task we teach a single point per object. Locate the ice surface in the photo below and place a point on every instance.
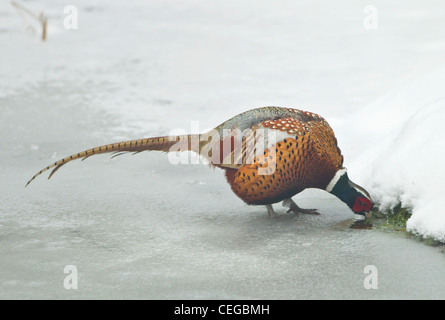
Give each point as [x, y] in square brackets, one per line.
[139, 227]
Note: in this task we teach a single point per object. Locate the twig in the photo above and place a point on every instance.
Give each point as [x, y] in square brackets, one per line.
[40, 17]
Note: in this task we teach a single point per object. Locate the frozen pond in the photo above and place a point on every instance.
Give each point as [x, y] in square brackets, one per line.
[138, 227]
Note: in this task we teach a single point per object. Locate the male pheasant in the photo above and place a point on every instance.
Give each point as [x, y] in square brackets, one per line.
[269, 155]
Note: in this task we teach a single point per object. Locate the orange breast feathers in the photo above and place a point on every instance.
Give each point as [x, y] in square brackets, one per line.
[305, 156]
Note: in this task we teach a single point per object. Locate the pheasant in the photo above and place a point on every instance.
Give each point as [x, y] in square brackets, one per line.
[269, 154]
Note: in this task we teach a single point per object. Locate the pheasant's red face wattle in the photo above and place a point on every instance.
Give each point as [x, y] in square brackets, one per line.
[362, 204]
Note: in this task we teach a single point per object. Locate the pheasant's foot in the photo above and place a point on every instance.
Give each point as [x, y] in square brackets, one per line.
[293, 207]
[270, 211]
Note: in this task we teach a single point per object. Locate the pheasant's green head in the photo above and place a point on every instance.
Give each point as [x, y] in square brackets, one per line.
[356, 198]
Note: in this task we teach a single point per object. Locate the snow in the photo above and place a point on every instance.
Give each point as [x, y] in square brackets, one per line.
[404, 151]
[139, 227]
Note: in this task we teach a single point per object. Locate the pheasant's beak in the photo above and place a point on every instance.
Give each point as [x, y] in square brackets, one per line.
[368, 214]
[363, 215]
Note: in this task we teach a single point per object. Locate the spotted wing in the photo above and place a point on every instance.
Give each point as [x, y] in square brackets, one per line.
[281, 123]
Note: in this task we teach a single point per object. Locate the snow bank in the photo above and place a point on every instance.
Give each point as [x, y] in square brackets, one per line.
[399, 151]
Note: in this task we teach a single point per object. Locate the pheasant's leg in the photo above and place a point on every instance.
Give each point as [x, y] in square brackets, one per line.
[292, 206]
[270, 211]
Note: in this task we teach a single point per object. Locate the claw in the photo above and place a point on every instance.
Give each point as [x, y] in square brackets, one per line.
[293, 207]
[299, 210]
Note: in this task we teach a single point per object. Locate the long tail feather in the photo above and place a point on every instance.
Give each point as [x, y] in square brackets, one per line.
[159, 143]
